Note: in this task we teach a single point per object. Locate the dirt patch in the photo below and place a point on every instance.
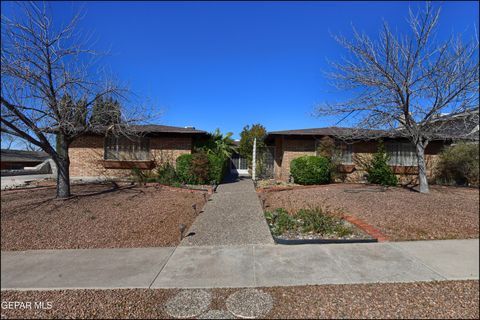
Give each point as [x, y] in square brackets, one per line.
[446, 299]
[97, 216]
[400, 214]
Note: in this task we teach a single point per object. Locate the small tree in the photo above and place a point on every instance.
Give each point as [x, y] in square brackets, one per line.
[329, 148]
[404, 83]
[106, 112]
[378, 169]
[217, 143]
[247, 137]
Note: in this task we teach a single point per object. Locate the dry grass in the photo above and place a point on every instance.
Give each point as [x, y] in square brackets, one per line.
[98, 216]
[401, 214]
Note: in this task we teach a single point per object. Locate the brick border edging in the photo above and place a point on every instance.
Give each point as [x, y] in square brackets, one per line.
[369, 229]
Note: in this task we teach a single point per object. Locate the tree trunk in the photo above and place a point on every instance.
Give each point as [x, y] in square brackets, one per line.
[63, 167]
[422, 167]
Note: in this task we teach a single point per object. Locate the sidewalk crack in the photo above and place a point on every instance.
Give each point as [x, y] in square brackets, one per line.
[163, 267]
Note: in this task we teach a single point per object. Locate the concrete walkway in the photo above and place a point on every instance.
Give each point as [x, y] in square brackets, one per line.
[240, 266]
[233, 216]
[10, 182]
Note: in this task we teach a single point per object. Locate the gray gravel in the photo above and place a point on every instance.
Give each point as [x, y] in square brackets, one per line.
[188, 303]
[249, 303]
[233, 216]
[216, 314]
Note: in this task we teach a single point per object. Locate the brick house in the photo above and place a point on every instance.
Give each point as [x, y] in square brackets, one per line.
[290, 144]
[107, 155]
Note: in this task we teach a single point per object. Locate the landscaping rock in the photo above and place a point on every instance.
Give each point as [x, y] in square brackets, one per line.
[188, 303]
[216, 314]
[249, 303]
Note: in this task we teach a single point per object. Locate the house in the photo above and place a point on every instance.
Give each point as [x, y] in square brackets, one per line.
[358, 146]
[98, 153]
[20, 159]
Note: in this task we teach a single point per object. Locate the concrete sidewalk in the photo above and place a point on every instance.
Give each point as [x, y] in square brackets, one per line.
[233, 216]
[241, 266]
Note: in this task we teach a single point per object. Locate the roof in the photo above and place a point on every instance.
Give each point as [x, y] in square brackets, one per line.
[23, 156]
[328, 131]
[145, 129]
[155, 128]
[446, 127]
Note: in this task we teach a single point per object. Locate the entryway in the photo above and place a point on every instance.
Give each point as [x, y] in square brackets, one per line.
[238, 165]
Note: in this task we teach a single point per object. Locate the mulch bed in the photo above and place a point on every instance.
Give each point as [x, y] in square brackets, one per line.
[97, 216]
[398, 213]
[446, 299]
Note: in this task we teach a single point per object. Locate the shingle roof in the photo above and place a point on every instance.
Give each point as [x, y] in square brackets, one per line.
[328, 131]
[23, 156]
[146, 128]
[155, 128]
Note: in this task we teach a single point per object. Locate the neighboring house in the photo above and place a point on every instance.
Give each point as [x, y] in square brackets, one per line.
[99, 154]
[20, 159]
[290, 144]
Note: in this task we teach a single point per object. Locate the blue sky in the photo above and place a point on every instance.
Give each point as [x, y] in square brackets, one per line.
[228, 64]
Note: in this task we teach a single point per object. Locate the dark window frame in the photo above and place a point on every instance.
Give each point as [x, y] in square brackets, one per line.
[126, 148]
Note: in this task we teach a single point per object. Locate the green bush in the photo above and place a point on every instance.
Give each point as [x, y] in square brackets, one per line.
[378, 169]
[166, 174]
[184, 172]
[459, 164]
[200, 168]
[217, 165]
[311, 170]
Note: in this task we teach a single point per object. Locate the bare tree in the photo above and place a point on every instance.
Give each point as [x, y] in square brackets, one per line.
[405, 83]
[47, 84]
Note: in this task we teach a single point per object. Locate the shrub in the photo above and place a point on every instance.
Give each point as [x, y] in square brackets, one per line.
[184, 172]
[317, 221]
[311, 170]
[308, 220]
[280, 221]
[166, 174]
[138, 176]
[142, 176]
[459, 164]
[200, 168]
[378, 170]
[217, 167]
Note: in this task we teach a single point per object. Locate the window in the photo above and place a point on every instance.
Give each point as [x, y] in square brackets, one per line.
[401, 154]
[127, 148]
[346, 153]
[335, 149]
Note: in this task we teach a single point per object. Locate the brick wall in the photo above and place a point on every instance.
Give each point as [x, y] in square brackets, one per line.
[87, 152]
[287, 149]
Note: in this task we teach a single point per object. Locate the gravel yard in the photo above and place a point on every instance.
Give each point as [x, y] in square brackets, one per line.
[97, 216]
[400, 214]
[448, 299]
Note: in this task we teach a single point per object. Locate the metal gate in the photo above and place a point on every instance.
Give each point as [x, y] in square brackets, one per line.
[238, 164]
